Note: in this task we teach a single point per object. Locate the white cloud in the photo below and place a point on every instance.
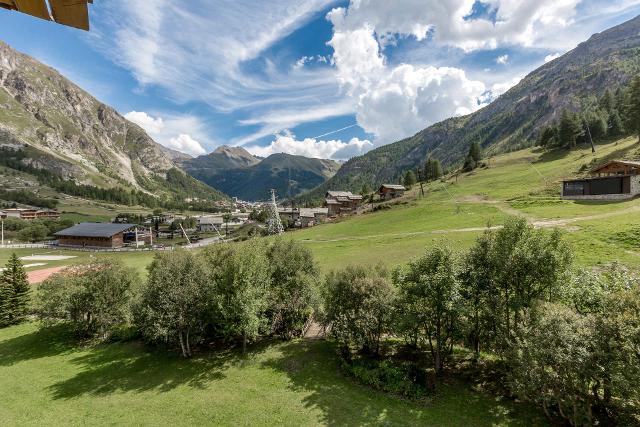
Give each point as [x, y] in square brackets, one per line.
[286, 142]
[152, 125]
[550, 58]
[502, 59]
[396, 102]
[185, 144]
[498, 89]
[174, 132]
[523, 22]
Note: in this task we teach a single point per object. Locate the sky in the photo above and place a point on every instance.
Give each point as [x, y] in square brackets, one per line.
[319, 78]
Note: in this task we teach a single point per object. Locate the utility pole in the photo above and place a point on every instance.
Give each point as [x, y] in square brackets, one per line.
[274, 223]
[2, 222]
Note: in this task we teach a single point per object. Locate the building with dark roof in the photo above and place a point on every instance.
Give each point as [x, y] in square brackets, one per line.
[95, 235]
[615, 180]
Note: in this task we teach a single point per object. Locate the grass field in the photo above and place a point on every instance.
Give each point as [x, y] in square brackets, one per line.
[45, 379]
[525, 182]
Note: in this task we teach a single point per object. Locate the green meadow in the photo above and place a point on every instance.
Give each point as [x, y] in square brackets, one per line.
[47, 379]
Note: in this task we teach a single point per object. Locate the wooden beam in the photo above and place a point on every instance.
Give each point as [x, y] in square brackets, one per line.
[73, 13]
[37, 8]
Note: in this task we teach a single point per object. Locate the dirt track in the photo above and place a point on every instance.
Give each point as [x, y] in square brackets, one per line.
[38, 276]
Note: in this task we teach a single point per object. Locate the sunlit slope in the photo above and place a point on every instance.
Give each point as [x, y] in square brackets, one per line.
[525, 182]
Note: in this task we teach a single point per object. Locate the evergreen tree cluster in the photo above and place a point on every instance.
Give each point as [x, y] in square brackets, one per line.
[432, 169]
[615, 114]
[14, 293]
[474, 156]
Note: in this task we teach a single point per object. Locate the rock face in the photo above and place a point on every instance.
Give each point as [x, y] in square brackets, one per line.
[42, 109]
[606, 61]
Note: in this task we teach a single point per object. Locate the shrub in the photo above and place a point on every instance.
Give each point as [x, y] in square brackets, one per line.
[95, 298]
[403, 380]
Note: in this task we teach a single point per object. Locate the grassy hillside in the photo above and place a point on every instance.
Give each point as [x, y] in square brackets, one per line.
[45, 379]
[525, 182]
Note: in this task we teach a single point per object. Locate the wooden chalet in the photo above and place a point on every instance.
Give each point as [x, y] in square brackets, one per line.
[391, 191]
[341, 202]
[96, 235]
[615, 180]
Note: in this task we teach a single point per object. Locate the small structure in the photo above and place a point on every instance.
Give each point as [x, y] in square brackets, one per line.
[29, 214]
[96, 235]
[391, 191]
[341, 202]
[312, 216]
[210, 223]
[615, 180]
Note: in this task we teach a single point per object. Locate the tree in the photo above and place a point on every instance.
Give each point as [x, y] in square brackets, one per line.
[358, 306]
[95, 298]
[473, 158]
[409, 179]
[615, 124]
[569, 129]
[633, 107]
[548, 136]
[239, 279]
[33, 233]
[292, 293]
[506, 272]
[429, 302]
[432, 169]
[173, 301]
[16, 291]
[365, 190]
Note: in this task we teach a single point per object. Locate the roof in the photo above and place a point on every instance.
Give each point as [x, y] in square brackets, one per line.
[94, 229]
[312, 212]
[332, 202]
[72, 13]
[393, 187]
[332, 193]
[631, 163]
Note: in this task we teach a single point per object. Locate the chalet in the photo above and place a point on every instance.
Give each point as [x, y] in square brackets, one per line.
[391, 191]
[615, 180]
[96, 235]
[341, 202]
[312, 216]
[210, 223]
[29, 214]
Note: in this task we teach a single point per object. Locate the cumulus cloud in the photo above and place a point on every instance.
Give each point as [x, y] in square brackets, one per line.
[450, 22]
[185, 144]
[395, 102]
[286, 142]
[174, 132]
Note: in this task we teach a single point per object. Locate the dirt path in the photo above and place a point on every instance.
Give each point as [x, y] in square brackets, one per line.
[38, 276]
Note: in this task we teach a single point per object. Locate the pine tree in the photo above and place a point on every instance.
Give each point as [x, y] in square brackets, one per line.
[14, 279]
[616, 126]
[475, 152]
[5, 294]
[633, 107]
[569, 129]
[409, 179]
[432, 169]
[607, 102]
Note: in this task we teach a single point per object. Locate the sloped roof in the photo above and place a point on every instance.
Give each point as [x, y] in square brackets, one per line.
[94, 229]
[393, 187]
[631, 163]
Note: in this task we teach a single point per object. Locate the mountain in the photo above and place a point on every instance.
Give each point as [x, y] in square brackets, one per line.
[61, 129]
[222, 159]
[607, 60]
[237, 173]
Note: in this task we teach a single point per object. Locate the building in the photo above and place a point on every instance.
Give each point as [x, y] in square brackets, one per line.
[615, 180]
[97, 235]
[341, 202]
[312, 216]
[29, 214]
[210, 223]
[391, 191]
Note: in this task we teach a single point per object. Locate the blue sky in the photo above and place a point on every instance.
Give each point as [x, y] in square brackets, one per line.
[321, 78]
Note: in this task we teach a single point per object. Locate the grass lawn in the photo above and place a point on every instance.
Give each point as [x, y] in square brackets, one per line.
[46, 379]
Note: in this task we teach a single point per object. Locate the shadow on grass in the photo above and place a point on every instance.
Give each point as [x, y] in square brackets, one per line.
[312, 367]
[37, 344]
[122, 367]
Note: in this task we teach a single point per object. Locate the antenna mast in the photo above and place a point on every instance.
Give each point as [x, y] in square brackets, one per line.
[274, 224]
